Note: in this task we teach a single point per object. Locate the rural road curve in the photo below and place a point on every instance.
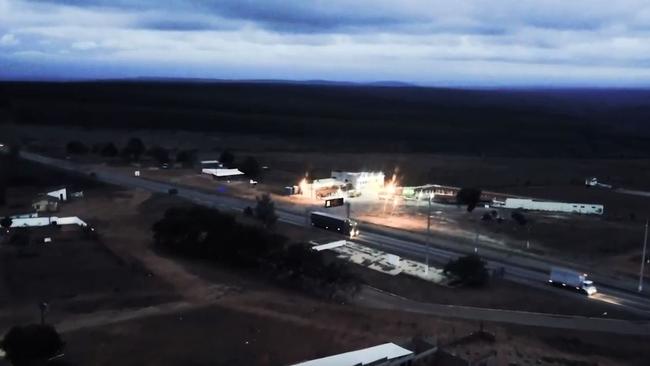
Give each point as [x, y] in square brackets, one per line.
[374, 298]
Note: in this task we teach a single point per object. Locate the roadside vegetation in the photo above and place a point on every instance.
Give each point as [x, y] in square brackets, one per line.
[469, 197]
[34, 344]
[210, 234]
[469, 270]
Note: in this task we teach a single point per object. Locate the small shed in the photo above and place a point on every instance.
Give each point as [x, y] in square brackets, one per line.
[46, 204]
[223, 173]
[60, 193]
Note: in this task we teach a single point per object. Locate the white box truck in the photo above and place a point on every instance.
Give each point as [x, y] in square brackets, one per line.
[571, 279]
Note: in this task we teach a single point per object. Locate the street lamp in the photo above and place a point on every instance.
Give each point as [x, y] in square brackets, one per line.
[44, 307]
[426, 268]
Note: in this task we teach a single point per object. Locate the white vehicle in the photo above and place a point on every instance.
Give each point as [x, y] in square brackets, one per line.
[571, 279]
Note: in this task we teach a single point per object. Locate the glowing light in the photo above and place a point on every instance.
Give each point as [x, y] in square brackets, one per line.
[303, 186]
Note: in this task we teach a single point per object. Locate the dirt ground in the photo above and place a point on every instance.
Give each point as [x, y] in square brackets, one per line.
[498, 294]
[281, 330]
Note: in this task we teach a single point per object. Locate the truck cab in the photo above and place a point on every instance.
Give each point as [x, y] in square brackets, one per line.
[570, 279]
[588, 287]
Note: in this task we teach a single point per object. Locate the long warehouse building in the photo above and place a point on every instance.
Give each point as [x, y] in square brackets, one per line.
[551, 206]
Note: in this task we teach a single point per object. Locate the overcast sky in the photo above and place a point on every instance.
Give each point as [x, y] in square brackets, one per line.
[449, 42]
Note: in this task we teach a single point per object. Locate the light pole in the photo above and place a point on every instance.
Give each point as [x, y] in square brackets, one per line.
[645, 243]
[426, 268]
[43, 307]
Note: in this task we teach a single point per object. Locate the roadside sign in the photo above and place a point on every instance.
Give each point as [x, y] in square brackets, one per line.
[334, 202]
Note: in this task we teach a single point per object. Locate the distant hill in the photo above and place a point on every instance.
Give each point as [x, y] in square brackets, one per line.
[387, 83]
[349, 116]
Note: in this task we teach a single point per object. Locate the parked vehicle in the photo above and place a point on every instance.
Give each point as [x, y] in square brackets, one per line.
[334, 223]
[573, 280]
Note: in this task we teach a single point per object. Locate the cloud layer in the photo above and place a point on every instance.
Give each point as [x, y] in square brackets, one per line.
[504, 42]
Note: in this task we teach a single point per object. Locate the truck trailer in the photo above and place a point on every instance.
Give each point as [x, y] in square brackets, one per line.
[573, 280]
[334, 223]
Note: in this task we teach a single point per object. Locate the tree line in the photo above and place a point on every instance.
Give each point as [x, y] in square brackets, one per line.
[135, 149]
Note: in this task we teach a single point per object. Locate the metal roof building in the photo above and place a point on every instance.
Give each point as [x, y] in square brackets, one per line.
[382, 355]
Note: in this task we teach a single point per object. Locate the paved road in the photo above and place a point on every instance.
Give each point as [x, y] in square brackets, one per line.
[632, 192]
[522, 269]
[378, 299]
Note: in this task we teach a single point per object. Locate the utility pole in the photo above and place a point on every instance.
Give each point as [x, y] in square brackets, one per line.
[347, 209]
[43, 306]
[426, 269]
[645, 243]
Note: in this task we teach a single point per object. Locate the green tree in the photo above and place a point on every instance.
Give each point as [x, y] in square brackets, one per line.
[519, 218]
[32, 344]
[76, 148]
[468, 196]
[109, 150]
[134, 149]
[160, 154]
[265, 210]
[227, 158]
[469, 269]
[250, 167]
[186, 157]
[6, 222]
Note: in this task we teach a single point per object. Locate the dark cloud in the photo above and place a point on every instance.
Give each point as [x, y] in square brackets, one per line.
[305, 16]
[408, 39]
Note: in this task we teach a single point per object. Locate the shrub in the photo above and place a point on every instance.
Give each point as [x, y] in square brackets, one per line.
[519, 218]
[470, 270]
[76, 148]
[32, 344]
[468, 196]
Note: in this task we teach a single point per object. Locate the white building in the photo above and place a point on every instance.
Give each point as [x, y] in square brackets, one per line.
[222, 173]
[361, 181]
[387, 354]
[61, 194]
[45, 221]
[550, 206]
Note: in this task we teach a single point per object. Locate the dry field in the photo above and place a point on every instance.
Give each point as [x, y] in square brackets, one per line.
[611, 242]
[214, 312]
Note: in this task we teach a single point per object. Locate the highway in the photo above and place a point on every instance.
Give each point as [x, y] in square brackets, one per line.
[522, 269]
[372, 297]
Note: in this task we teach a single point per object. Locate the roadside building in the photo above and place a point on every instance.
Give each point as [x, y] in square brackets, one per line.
[45, 221]
[207, 160]
[387, 354]
[361, 181]
[550, 206]
[60, 193]
[223, 173]
[325, 188]
[46, 204]
[437, 193]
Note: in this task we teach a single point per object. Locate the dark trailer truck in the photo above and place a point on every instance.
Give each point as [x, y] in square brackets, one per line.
[334, 223]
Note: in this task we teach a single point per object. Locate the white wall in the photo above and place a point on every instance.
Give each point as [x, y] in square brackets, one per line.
[361, 180]
[222, 172]
[59, 193]
[529, 204]
[44, 221]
